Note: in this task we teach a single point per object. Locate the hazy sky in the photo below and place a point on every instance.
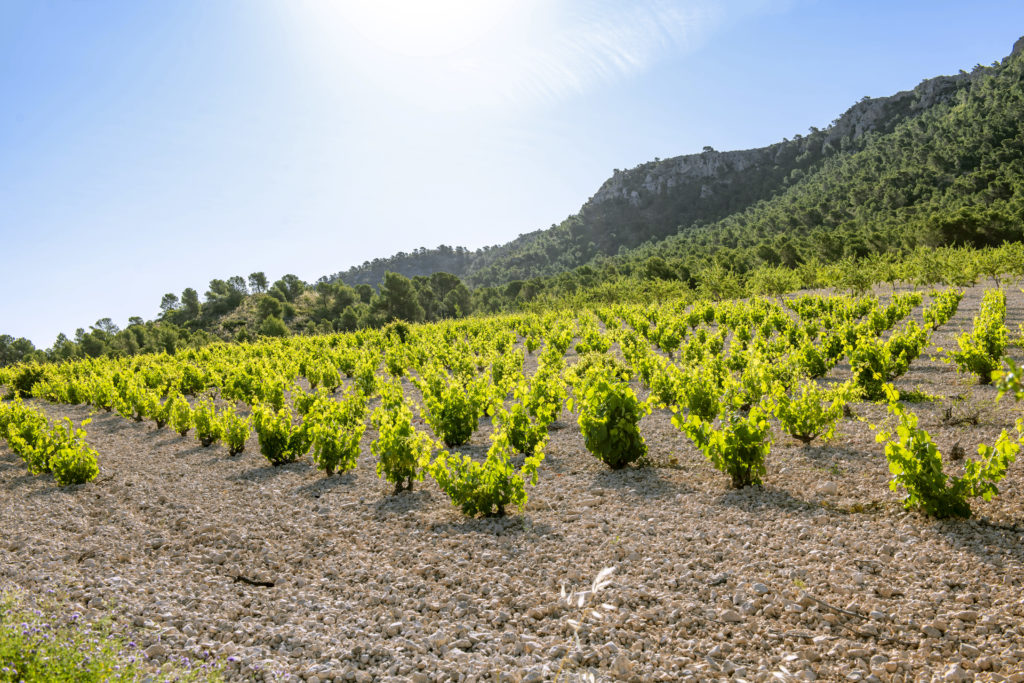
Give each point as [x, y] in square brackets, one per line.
[146, 147]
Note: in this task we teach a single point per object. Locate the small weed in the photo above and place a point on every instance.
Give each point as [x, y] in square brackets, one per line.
[40, 647]
[918, 395]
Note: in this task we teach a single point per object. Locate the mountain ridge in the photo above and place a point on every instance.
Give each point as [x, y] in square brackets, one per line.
[657, 199]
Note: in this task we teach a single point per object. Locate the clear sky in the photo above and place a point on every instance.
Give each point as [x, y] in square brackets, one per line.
[146, 147]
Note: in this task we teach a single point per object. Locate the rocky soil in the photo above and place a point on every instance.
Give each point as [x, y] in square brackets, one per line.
[285, 574]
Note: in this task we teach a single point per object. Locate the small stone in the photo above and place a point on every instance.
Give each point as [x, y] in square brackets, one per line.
[969, 651]
[156, 650]
[622, 667]
[878, 662]
[718, 579]
[967, 615]
[533, 676]
[760, 589]
[955, 673]
[730, 616]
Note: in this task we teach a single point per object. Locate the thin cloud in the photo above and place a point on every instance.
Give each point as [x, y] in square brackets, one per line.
[596, 45]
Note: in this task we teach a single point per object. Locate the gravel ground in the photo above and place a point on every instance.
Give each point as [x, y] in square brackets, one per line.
[285, 574]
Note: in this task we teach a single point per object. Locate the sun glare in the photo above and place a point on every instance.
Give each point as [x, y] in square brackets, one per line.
[417, 28]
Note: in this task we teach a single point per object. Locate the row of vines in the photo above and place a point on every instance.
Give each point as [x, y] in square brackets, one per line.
[727, 372]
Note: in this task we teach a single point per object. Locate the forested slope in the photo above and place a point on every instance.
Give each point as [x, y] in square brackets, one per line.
[885, 161]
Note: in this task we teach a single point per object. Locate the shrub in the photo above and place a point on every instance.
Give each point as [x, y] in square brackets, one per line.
[235, 430]
[270, 390]
[179, 414]
[59, 448]
[699, 392]
[942, 308]
[488, 488]
[811, 413]
[25, 431]
[335, 429]
[916, 466]
[23, 378]
[666, 381]
[453, 407]
[525, 435]
[72, 460]
[280, 441]
[402, 451]
[610, 419]
[366, 374]
[737, 448]
[981, 350]
[507, 369]
[874, 363]
[208, 427]
[811, 360]
[546, 395]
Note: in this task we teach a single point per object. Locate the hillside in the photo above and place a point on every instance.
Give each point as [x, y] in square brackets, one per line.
[939, 165]
[668, 197]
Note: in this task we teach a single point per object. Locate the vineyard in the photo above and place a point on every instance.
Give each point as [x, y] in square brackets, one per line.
[816, 485]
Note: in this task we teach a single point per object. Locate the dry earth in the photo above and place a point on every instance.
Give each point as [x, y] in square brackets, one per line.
[818, 576]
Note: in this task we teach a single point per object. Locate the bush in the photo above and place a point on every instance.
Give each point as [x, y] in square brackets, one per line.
[280, 441]
[272, 326]
[453, 407]
[59, 448]
[942, 308]
[25, 431]
[402, 452]
[71, 459]
[811, 413]
[335, 429]
[874, 363]
[982, 349]
[488, 488]
[179, 414]
[812, 361]
[699, 390]
[916, 466]
[737, 448]
[208, 427]
[235, 430]
[525, 435]
[366, 374]
[271, 389]
[546, 395]
[507, 369]
[23, 378]
[610, 420]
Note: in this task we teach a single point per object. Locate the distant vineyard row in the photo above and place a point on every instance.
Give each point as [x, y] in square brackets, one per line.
[731, 373]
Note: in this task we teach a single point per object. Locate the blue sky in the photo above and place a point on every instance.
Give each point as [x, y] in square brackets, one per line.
[146, 147]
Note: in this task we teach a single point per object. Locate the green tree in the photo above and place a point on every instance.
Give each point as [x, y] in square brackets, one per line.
[258, 282]
[169, 303]
[398, 299]
[190, 306]
[274, 327]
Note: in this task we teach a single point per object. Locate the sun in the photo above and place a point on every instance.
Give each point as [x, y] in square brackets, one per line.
[420, 28]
